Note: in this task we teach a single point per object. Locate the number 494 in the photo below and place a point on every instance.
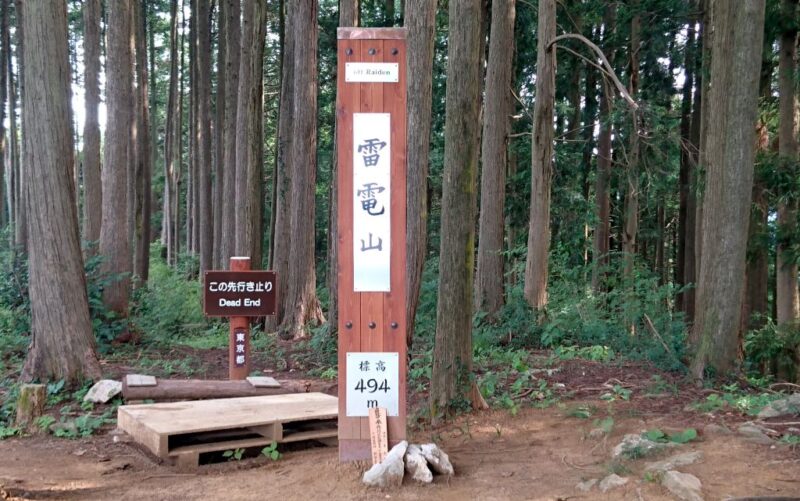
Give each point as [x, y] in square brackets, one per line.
[372, 385]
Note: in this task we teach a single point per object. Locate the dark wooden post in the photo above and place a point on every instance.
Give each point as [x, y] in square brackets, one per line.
[371, 141]
[239, 343]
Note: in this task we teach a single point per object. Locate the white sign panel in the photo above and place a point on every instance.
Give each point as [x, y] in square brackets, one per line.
[371, 202]
[373, 380]
[371, 72]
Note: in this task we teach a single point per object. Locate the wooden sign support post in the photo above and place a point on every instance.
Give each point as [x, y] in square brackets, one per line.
[239, 294]
[239, 333]
[371, 142]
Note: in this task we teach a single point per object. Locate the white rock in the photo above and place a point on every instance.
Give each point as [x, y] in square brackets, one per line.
[675, 461]
[597, 433]
[437, 458]
[587, 485]
[638, 445]
[417, 465]
[103, 391]
[684, 486]
[389, 472]
[612, 481]
[783, 407]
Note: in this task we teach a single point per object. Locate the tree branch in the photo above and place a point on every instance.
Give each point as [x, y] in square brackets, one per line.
[609, 69]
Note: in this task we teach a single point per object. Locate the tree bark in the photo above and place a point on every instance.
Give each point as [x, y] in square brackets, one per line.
[489, 290]
[205, 228]
[21, 223]
[4, 168]
[219, 137]
[279, 259]
[93, 201]
[232, 33]
[602, 232]
[420, 21]
[62, 345]
[114, 237]
[302, 306]
[248, 134]
[452, 356]
[733, 100]
[143, 150]
[787, 300]
[349, 14]
[172, 154]
[632, 168]
[542, 159]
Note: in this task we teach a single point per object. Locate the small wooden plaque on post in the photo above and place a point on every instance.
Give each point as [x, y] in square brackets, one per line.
[377, 434]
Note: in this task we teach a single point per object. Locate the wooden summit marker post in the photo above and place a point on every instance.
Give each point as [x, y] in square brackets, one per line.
[239, 294]
[371, 142]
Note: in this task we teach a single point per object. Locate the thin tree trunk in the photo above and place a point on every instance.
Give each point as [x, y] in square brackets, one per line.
[172, 156]
[21, 226]
[632, 186]
[542, 159]
[452, 356]
[141, 264]
[420, 21]
[489, 291]
[4, 166]
[93, 201]
[302, 306]
[787, 300]
[733, 101]
[232, 29]
[602, 232]
[205, 228]
[62, 345]
[114, 237]
[219, 135]
[279, 259]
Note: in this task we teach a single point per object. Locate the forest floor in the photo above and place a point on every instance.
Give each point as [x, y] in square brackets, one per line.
[540, 449]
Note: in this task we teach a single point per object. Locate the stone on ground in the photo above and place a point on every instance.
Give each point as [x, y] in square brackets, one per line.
[784, 407]
[586, 485]
[754, 433]
[417, 465]
[716, 429]
[437, 459]
[103, 391]
[637, 445]
[684, 486]
[675, 461]
[612, 481]
[389, 472]
[30, 405]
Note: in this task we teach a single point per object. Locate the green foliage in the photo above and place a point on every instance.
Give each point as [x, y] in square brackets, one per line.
[682, 437]
[7, 431]
[737, 400]
[770, 350]
[271, 451]
[234, 455]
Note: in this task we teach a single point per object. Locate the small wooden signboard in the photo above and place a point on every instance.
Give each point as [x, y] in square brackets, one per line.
[377, 433]
[371, 144]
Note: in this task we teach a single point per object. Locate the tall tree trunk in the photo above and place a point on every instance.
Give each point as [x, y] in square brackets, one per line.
[279, 259]
[219, 135]
[302, 305]
[143, 149]
[204, 163]
[542, 159]
[733, 100]
[349, 12]
[93, 201]
[172, 155]
[63, 345]
[452, 356]
[4, 166]
[602, 232]
[587, 137]
[232, 30]
[632, 169]
[114, 238]
[496, 125]
[686, 159]
[755, 307]
[420, 21]
[21, 226]
[388, 12]
[787, 300]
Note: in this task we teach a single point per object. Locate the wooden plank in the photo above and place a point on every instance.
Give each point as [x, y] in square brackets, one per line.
[263, 382]
[394, 339]
[349, 304]
[191, 389]
[149, 424]
[350, 33]
[133, 380]
[378, 438]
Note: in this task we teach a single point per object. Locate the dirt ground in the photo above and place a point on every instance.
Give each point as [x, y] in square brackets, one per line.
[536, 454]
